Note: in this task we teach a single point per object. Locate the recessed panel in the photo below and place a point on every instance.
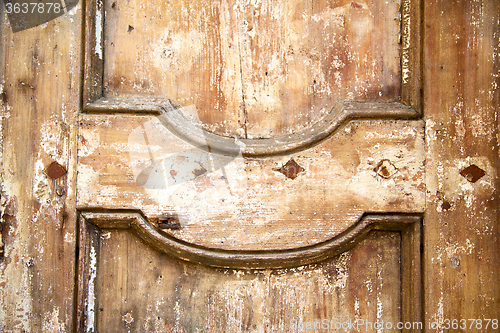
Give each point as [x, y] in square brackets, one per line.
[253, 69]
[363, 285]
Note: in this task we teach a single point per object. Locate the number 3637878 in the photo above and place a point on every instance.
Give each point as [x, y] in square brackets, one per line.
[33, 7]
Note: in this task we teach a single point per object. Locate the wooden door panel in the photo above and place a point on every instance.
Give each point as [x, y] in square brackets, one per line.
[169, 294]
[219, 58]
[373, 282]
[131, 162]
[223, 66]
[250, 136]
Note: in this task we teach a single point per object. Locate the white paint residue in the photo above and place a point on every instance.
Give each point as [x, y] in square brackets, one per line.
[342, 268]
[22, 309]
[51, 322]
[380, 311]
[177, 50]
[106, 235]
[50, 138]
[405, 55]
[369, 285]
[41, 187]
[91, 291]
[455, 248]
[438, 317]
[356, 307]
[128, 318]
[69, 237]
[178, 316]
[98, 33]
[380, 306]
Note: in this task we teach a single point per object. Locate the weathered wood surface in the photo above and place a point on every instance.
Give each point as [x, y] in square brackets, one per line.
[462, 255]
[181, 297]
[133, 162]
[253, 69]
[39, 95]
[39, 89]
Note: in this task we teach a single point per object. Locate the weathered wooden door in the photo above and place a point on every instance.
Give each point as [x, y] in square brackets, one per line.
[252, 166]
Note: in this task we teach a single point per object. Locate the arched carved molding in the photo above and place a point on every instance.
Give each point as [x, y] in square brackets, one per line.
[172, 118]
[407, 106]
[148, 231]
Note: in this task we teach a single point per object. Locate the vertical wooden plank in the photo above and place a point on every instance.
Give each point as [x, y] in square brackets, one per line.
[93, 49]
[86, 302]
[39, 88]
[462, 257]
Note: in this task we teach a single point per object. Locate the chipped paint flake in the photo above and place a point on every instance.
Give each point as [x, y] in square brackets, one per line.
[127, 318]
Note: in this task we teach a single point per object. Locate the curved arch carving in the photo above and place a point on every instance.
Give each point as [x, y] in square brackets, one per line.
[299, 256]
[174, 120]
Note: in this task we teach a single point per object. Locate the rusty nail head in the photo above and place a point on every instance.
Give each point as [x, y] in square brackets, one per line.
[385, 169]
[291, 169]
[60, 191]
[169, 223]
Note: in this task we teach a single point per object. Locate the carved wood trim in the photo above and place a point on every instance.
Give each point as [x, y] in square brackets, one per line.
[92, 224]
[408, 107]
[244, 259]
[174, 120]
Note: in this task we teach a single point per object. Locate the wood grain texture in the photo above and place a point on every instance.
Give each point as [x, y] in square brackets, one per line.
[462, 257]
[39, 85]
[254, 70]
[187, 297]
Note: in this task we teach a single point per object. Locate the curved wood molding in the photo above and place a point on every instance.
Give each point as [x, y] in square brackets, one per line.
[171, 117]
[248, 259]
[408, 106]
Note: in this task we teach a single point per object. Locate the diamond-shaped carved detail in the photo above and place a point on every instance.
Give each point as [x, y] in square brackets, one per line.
[291, 169]
[472, 173]
[55, 170]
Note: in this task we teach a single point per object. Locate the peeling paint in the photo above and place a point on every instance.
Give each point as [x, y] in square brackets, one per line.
[51, 322]
[98, 31]
[91, 293]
